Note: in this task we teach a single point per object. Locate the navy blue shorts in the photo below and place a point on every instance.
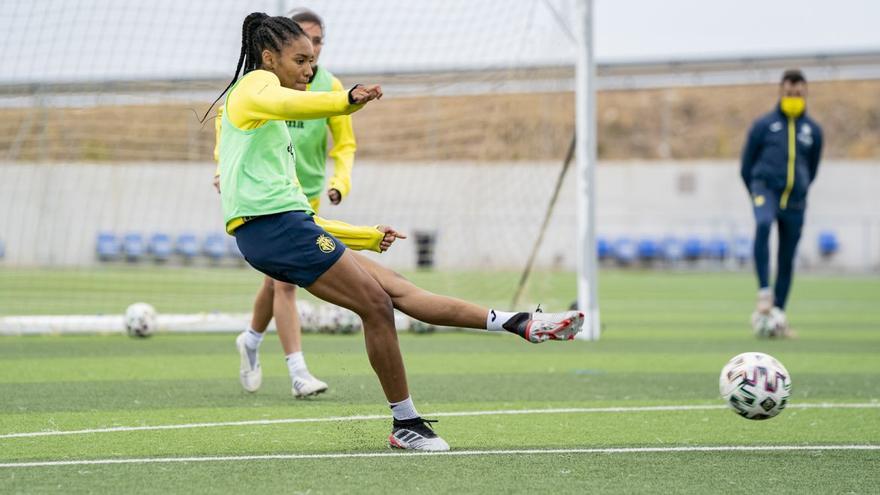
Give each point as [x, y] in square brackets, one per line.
[288, 246]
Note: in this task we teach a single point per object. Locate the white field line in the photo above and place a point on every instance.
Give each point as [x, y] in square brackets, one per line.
[454, 453]
[330, 419]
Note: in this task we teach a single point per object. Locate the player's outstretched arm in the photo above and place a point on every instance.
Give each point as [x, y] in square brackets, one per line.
[378, 238]
[260, 96]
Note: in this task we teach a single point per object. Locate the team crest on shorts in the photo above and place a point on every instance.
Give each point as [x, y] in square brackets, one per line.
[325, 243]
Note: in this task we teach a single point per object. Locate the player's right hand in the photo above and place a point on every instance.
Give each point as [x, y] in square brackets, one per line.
[361, 94]
[391, 235]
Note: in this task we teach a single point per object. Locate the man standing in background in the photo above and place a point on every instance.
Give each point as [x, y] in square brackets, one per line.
[779, 162]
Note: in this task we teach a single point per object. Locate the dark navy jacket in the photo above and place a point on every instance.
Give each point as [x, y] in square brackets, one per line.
[766, 157]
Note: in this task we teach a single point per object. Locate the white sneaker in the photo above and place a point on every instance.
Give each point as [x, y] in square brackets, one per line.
[250, 374]
[307, 387]
[783, 329]
[416, 434]
[765, 301]
[539, 327]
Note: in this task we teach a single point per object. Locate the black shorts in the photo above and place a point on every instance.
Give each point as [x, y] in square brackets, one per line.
[288, 246]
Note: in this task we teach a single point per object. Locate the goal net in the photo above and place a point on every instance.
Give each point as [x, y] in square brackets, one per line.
[105, 169]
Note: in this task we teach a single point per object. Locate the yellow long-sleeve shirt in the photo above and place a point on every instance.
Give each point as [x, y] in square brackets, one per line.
[343, 150]
[259, 98]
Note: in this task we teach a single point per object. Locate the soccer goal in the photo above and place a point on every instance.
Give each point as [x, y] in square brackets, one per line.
[105, 169]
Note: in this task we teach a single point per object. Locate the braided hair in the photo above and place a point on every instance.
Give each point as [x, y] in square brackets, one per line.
[260, 32]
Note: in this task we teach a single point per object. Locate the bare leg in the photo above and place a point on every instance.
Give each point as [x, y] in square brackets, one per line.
[287, 317]
[349, 285]
[263, 306]
[421, 304]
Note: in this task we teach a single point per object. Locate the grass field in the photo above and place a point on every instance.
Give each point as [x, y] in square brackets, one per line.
[635, 412]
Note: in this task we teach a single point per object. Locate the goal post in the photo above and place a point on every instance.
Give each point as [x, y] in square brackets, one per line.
[106, 169]
[585, 153]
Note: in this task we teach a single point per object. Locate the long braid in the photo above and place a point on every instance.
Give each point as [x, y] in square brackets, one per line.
[259, 32]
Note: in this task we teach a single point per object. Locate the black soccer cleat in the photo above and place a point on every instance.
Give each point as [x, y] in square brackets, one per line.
[416, 434]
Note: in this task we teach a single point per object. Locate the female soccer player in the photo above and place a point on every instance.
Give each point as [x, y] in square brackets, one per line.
[265, 209]
[309, 138]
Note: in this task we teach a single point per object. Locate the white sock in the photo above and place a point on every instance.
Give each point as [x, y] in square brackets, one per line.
[496, 319]
[252, 339]
[404, 409]
[296, 365]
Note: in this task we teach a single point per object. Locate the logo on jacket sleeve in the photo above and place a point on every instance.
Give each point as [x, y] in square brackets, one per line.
[325, 243]
[759, 200]
[806, 135]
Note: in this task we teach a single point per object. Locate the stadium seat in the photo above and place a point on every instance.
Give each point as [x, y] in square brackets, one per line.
[648, 250]
[2, 249]
[133, 246]
[693, 248]
[742, 250]
[671, 249]
[214, 247]
[603, 249]
[187, 246]
[107, 246]
[160, 246]
[625, 251]
[828, 243]
[717, 249]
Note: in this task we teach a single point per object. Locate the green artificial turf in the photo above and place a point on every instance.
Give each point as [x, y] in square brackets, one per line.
[665, 338]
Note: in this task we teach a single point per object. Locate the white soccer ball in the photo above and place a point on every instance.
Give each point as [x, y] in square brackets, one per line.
[333, 319]
[755, 385]
[140, 320]
[308, 316]
[769, 325]
[417, 326]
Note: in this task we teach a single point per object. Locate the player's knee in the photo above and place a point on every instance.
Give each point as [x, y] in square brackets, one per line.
[284, 287]
[377, 303]
[763, 226]
[269, 284]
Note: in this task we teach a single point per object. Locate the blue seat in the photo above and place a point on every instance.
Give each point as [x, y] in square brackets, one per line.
[160, 246]
[133, 246]
[187, 246]
[603, 249]
[214, 246]
[742, 250]
[693, 248]
[717, 249]
[625, 251]
[671, 249]
[648, 249]
[828, 243]
[2, 249]
[107, 246]
[233, 248]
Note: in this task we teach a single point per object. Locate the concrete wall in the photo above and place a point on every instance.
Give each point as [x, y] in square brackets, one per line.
[485, 215]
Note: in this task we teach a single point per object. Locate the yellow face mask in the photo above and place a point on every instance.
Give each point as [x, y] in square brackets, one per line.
[792, 106]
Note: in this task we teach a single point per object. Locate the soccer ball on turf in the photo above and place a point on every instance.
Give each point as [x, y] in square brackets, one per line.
[308, 316]
[769, 325]
[333, 319]
[140, 320]
[755, 385]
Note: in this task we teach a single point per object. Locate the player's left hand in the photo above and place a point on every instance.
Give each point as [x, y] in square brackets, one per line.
[391, 235]
[335, 196]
